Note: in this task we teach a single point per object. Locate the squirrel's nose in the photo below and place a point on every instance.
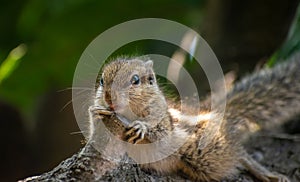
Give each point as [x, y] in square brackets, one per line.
[112, 107]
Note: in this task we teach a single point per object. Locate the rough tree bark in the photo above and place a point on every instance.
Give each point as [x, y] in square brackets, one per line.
[279, 153]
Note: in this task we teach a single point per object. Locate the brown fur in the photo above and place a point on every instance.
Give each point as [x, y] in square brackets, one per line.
[212, 150]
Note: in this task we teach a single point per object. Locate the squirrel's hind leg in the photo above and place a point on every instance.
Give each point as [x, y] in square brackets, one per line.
[261, 172]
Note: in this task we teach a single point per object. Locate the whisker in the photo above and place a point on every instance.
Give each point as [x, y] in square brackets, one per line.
[74, 88]
[76, 132]
[165, 84]
[93, 58]
[69, 102]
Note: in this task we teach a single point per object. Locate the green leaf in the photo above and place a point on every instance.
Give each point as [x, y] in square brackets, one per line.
[12, 61]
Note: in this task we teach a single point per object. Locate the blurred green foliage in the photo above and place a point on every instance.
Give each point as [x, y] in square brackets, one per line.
[291, 45]
[56, 32]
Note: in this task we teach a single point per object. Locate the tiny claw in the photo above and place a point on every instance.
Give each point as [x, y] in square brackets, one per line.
[139, 140]
[130, 131]
[138, 132]
[99, 110]
[131, 139]
[105, 112]
[139, 129]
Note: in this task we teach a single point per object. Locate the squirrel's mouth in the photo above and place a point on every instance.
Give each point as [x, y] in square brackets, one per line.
[112, 107]
[115, 107]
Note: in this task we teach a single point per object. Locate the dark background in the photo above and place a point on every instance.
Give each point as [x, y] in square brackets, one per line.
[38, 128]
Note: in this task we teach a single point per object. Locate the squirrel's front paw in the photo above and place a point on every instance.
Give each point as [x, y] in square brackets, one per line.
[96, 112]
[99, 110]
[136, 131]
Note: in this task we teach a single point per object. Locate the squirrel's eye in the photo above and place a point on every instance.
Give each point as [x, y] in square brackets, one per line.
[101, 81]
[135, 80]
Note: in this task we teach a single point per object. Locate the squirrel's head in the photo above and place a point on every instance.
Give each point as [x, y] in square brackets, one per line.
[129, 87]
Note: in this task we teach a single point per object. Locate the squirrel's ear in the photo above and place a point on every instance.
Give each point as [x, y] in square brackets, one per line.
[149, 64]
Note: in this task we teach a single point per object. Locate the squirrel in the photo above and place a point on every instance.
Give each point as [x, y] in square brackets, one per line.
[129, 89]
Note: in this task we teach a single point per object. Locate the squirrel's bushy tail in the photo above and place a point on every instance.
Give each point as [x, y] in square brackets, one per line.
[265, 98]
